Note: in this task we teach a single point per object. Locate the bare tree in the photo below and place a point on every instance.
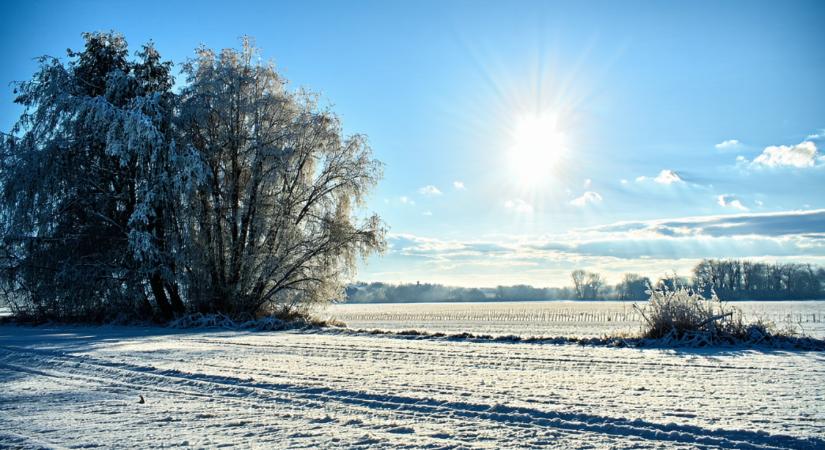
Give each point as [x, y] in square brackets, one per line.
[579, 276]
[587, 285]
[594, 285]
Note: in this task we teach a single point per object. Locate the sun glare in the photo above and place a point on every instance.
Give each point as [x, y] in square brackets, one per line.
[537, 146]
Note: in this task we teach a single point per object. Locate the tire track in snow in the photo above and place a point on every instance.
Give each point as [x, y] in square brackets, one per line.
[494, 415]
[409, 353]
[578, 396]
[147, 378]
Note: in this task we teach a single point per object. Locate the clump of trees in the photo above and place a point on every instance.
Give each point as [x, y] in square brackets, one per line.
[632, 287]
[121, 197]
[728, 279]
[587, 285]
[736, 280]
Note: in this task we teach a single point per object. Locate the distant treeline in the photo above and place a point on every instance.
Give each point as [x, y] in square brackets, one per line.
[729, 279]
[741, 280]
[427, 292]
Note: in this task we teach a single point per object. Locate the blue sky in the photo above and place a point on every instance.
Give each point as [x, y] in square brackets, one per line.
[522, 140]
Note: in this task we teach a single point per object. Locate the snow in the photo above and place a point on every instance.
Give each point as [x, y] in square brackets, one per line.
[80, 387]
[553, 318]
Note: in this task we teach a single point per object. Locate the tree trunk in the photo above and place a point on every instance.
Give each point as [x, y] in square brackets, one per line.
[156, 283]
[174, 296]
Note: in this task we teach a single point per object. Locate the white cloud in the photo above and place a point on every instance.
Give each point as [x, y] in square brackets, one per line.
[730, 201]
[406, 200]
[459, 185]
[427, 213]
[518, 205]
[587, 198]
[587, 183]
[816, 136]
[623, 181]
[668, 177]
[730, 144]
[429, 190]
[800, 156]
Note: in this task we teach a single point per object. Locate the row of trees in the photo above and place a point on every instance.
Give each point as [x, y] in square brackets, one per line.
[730, 279]
[733, 279]
[121, 196]
[378, 292]
[591, 286]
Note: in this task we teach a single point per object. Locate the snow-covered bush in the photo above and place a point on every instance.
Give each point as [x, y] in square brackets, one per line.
[683, 316]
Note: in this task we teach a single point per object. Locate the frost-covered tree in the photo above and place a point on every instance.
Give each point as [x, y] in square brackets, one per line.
[66, 201]
[271, 224]
[143, 137]
[82, 177]
[121, 197]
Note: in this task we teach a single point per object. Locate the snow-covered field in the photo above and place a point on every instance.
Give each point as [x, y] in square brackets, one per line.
[80, 387]
[552, 318]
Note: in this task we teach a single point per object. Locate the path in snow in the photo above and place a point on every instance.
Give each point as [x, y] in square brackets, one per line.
[69, 387]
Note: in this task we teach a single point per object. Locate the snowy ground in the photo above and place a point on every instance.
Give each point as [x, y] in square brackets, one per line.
[554, 318]
[79, 387]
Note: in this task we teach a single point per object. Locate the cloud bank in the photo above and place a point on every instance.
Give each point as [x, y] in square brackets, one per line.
[651, 248]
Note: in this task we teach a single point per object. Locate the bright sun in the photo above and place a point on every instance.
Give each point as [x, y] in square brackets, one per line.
[537, 147]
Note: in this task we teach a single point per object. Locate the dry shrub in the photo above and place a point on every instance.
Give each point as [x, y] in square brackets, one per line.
[683, 316]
